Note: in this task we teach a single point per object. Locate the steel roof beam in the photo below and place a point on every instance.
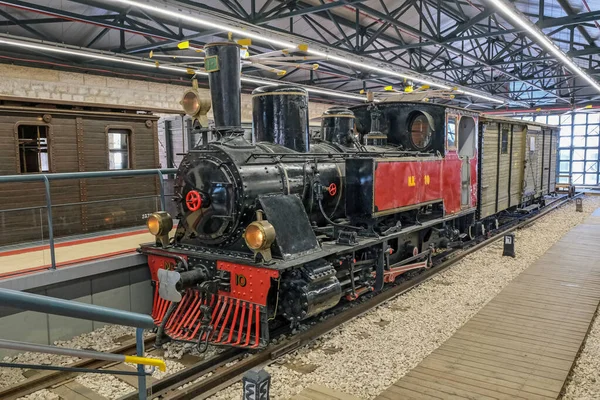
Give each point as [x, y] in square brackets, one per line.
[468, 24]
[384, 17]
[426, 58]
[27, 27]
[394, 23]
[38, 21]
[346, 23]
[169, 38]
[342, 21]
[570, 12]
[576, 19]
[308, 10]
[102, 22]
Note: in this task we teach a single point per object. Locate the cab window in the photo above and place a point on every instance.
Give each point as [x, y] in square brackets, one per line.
[451, 132]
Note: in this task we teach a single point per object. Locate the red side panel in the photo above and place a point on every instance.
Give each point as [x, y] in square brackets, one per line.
[248, 283]
[405, 183]
[452, 182]
[391, 186]
[429, 180]
[157, 262]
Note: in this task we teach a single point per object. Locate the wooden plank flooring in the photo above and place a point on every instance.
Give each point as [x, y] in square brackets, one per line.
[318, 392]
[523, 343]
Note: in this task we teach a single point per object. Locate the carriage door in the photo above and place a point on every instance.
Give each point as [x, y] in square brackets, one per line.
[467, 134]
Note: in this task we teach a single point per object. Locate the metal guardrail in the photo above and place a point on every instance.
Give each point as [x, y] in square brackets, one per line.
[46, 178]
[66, 308]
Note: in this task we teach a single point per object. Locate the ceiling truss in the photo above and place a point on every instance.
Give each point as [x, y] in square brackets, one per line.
[460, 42]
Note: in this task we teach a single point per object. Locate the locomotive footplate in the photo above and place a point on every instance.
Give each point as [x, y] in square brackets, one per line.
[219, 319]
[206, 314]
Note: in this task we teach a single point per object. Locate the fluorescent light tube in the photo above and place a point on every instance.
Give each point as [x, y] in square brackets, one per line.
[515, 17]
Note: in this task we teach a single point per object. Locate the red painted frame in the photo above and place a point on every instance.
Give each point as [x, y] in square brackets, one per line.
[248, 283]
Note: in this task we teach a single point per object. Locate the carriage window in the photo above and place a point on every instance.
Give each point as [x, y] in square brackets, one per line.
[118, 148]
[33, 148]
[451, 132]
[504, 148]
[467, 132]
[421, 131]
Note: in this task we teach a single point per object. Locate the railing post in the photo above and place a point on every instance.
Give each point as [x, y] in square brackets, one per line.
[139, 345]
[163, 205]
[50, 226]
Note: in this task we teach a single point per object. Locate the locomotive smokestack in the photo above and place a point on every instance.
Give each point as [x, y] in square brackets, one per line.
[280, 116]
[222, 62]
[337, 126]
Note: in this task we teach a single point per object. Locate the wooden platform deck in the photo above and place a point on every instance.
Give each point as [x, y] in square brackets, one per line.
[523, 343]
[318, 392]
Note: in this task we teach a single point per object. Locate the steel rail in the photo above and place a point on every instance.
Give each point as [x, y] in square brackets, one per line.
[201, 368]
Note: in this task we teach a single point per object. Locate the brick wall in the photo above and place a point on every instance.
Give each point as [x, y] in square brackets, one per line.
[69, 86]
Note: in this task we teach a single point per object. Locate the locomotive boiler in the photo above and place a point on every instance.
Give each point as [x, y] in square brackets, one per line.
[282, 228]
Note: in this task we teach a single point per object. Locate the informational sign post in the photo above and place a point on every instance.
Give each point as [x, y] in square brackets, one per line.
[509, 245]
[256, 383]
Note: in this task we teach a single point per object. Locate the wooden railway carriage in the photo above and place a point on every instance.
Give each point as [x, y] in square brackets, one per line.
[518, 163]
[38, 136]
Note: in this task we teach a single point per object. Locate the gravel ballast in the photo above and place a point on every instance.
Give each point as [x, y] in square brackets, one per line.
[584, 380]
[105, 385]
[41, 395]
[102, 339]
[368, 354]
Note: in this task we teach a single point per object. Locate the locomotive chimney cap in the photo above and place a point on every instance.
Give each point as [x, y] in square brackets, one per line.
[279, 90]
[339, 112]
[212, 44]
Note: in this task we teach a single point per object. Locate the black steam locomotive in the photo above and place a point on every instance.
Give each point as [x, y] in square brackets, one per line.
[284, 227]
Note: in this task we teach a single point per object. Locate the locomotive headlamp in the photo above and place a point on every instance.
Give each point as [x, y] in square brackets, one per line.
[191, 102]
[195, 105]
[160, 224]
[259, 236]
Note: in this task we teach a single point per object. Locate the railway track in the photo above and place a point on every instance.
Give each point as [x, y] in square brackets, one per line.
[204, 378]
[47, 379]
[229, 374]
